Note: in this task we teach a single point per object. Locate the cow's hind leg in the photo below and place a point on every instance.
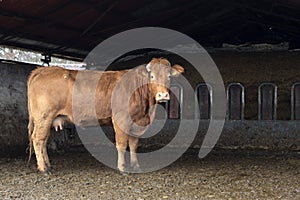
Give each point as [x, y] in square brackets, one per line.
[45, 155]
[39, 138]
[133, 145]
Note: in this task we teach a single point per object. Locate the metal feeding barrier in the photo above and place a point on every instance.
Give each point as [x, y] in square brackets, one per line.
[238, 132]
[204, 98]
[235, 101]
[175, 104]
[173, 108]
[295, 101]
[267, 101]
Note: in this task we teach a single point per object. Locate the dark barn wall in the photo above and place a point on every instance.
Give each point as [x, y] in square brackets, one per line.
[13, 106]
[253, 68]
[248, 68]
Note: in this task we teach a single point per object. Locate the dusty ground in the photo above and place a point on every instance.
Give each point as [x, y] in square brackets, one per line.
[218, 176]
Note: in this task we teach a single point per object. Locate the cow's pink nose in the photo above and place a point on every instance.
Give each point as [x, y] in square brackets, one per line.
[162, 96]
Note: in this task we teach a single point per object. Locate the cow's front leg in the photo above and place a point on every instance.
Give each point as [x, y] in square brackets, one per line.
[121, 144]
[134, 163]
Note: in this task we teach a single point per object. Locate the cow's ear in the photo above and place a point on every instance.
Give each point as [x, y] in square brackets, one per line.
[177, 70]
[142, 71]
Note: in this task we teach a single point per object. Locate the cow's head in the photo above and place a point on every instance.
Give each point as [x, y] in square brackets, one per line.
[160, 71]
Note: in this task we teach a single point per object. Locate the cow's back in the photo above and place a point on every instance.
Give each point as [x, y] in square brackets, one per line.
[68, 92]
[50, 90]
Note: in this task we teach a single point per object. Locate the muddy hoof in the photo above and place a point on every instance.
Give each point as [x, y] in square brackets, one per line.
[136, 170]
[49, 169]
[124, 173]
[46, 172]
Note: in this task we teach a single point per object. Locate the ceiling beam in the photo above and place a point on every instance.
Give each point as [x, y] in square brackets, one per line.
[168, 14]
[249, 7]
[93, 24]
[208, 19]
[62, 4]
[36, 20]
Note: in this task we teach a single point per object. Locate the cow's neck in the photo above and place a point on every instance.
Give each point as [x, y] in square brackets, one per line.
[149, 99]
[144, 97]
[150, 102]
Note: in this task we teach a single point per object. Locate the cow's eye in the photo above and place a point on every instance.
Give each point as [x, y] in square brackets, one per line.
[152, 77]
[169, 76]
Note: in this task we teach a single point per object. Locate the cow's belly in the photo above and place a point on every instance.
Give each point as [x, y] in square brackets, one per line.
[105, 121]
[87, 122]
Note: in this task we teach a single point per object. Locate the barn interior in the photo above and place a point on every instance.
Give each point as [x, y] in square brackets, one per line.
[251, 42]
[255, 45]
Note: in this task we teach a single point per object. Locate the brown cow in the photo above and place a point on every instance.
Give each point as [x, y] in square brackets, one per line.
[50, 93]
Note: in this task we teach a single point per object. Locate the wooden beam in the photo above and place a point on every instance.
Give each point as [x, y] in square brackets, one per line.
[249, 7]
[150, 18]
[99, 19]
[207, 20]
[35, 20]
[60, 6]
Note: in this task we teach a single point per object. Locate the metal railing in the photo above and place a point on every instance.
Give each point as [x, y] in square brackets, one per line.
[267, 101]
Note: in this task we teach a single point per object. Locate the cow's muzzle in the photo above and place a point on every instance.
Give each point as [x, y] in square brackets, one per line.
[162, 97]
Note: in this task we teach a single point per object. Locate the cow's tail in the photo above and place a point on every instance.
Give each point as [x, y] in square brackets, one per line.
[30, 145]
[30, 131]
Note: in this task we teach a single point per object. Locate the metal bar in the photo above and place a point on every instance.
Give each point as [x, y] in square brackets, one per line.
[267, 101]
[204, 99]
[295, 101]
[235, 101]
[176, 102]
